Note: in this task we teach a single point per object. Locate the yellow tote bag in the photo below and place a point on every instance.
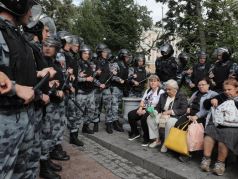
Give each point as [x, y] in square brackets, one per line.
[177, 140]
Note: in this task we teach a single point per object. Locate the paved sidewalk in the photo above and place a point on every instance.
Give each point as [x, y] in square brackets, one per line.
[163, 165]
[81, 166]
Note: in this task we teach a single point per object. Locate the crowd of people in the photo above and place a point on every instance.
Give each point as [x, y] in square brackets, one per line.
[50, 81]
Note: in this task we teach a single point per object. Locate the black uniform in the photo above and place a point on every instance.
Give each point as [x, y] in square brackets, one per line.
[166, 68]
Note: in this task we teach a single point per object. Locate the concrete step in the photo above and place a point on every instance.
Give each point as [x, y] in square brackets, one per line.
[163, 165]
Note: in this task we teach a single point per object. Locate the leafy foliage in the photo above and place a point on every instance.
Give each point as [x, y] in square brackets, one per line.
[119, 24]
[204, 24]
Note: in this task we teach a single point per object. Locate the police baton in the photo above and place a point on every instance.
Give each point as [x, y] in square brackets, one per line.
[41, 82]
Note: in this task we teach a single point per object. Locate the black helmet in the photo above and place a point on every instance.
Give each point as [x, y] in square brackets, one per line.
[123, 53]
[53, 41]
[17, 7]
[139, 57]
[85, 48]
[201, 54]
[100, 48]
[222, 51]
[166, 50]
[37, 29]
[183, 58]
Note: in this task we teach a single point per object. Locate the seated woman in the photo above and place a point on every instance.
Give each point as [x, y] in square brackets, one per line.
[196, 111]
[226, 137]
[150, 98]
[172, 103]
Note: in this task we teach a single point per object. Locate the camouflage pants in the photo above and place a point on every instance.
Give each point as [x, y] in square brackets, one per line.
[53, 128]
[117, 95]
[103, 98]
[36, 150]
[16, 134]
[73, 121]
[58, 124]
[87, 105]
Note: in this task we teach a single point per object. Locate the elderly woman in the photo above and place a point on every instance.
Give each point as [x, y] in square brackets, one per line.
[196, 110]
[150, 98]
[226, 137]
[173, 104]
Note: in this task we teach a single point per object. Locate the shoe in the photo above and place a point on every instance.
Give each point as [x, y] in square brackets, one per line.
[117, 127]
[145, 144]
[74, 139]
[109, 128]
[86, 129]
[163, 149]
[183, 158]
[46, 172]
[59, 148]
[205, 164]
[53, 166]
[219, 168]
[133, 137]
[57, 154]
[95, 127]
[154, 144]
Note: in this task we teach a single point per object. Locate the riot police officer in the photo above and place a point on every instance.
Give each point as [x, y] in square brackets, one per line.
[222, 68]
[49, 26]
[85, 96]
[183, 69]
[103, 96]
[200, 70]
[16, 108]
[120, 69]
[166, 66]
[54, 119]
[137, 76]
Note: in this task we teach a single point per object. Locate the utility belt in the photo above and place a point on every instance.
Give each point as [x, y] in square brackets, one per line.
[84, 92]
[11, 103]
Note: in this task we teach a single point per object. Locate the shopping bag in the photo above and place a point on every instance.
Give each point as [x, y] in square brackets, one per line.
[225, 114]
[162, 119]
[195, 136]
[177, 140]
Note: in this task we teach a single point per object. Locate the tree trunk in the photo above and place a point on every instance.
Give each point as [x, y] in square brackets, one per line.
[201, 28]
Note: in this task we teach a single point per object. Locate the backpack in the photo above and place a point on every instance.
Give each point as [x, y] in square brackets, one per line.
[226, 114]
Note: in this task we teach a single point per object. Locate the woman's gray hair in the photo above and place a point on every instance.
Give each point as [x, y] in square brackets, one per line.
[172, 83]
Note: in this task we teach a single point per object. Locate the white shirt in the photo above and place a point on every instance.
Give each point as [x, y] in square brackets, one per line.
[152, 98]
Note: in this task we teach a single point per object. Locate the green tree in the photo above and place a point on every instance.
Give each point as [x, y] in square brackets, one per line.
[204, 24]
[63, 12]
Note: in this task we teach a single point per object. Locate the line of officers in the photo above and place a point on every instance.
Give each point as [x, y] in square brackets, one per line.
[217, 70]
[50, 80]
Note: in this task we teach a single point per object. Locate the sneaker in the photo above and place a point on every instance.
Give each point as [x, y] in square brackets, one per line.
[154, 144]
[133, 137]
[163, 149]
[205, 164]
[184, 159]
[219, 168]
[145, 144]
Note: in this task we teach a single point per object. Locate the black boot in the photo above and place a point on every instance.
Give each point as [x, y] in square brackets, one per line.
[59, 148]
[109, 128]
[53, 166]
[95, 127]
[86, 129]
[46, 172]
[117, 127]
[58, 154]
[74, 139]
